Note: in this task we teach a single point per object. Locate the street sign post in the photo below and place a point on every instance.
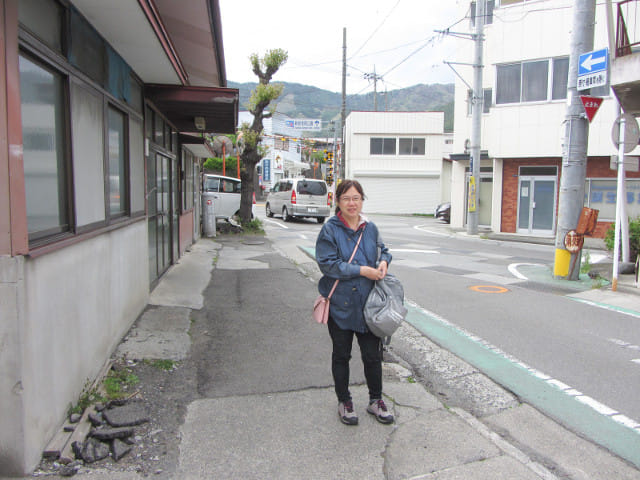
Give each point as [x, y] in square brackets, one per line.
[631, 132]
[591, 105]
[592, 69]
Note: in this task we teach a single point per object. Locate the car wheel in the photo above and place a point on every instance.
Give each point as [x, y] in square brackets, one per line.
[320, 219]
[285, 214]
[268, 210]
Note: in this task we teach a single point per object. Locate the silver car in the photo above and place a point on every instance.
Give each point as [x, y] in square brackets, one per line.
[225, 194]
[299, 197]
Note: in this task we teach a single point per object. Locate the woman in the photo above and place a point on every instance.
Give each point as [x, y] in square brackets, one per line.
[334, 246]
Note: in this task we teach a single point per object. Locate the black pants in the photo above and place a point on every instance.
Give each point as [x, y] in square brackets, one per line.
[371, 352]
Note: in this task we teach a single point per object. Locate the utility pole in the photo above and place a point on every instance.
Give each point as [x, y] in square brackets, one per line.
[375, 78]
[574, 152]
[476, 121]
[343, 113]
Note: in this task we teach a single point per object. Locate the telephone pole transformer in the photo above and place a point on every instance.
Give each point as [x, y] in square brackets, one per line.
[574, 151]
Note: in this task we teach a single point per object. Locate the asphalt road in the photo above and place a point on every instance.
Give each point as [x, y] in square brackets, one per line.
[469, 282]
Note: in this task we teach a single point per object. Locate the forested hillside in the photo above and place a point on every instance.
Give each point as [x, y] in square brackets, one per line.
[305, 101]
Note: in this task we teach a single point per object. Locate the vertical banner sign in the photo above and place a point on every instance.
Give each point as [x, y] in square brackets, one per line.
[266, 169]
[472, 194]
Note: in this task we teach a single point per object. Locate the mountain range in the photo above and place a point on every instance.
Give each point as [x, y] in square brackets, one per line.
[305, 101]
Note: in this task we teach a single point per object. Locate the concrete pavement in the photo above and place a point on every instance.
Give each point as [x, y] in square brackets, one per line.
[254, 420]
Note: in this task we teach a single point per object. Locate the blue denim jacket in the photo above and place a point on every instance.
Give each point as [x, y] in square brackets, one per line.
[334, 246]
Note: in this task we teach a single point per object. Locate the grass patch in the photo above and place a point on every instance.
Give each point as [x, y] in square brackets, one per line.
[162, 364]
[118, 382]
[254, 226]
[87, 398]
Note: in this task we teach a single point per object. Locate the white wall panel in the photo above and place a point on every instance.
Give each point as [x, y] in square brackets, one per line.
[400, 195]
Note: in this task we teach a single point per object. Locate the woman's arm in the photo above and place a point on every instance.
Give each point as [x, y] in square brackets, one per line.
[329, 260]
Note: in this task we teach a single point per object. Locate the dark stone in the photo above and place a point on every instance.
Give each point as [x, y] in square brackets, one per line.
[77, 449]
[95, 419]
[69, 470]
[75, 417]
[69, 428]
[119, 449]
[94, 450]
[111, 433]
[134, 413]
[99, 407]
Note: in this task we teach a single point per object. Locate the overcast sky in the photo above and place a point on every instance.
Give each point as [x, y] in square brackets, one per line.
[395, 36]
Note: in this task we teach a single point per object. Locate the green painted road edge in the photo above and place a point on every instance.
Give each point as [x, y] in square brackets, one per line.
[617, 438]
[606, 306]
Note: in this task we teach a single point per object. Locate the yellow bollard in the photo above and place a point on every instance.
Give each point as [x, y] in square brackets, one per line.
[561, 263]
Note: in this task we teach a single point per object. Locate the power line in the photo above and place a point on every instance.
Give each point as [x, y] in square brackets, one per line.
[376, 30]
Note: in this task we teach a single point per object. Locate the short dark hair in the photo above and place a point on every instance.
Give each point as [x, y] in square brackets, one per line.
[344, 186]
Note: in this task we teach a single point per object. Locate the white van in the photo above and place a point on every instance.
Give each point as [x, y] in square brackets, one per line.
[299, 197]
[225, 193]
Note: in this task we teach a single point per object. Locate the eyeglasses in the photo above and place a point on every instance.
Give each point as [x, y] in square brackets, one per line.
[351, 199]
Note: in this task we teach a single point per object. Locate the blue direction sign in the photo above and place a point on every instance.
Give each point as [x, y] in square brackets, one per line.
[592, 69]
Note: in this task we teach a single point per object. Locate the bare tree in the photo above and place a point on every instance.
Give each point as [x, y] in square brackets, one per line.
[260, 99]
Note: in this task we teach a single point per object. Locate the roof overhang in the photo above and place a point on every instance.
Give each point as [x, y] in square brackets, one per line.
[163, 41]
[462, 157]
[196, 145]
[217, 106]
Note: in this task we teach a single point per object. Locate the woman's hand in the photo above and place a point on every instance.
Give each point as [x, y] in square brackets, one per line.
[383, 268]
[374, 273]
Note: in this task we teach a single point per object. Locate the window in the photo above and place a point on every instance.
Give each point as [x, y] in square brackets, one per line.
[117, 169]
[560, 78]
[382, 146]
[488, 16]
[601, 194]
[281, 144]
[486, 103]
[508, 83]
[535, 77]
[46, 171]
[411, 146]
[43, 18]
[87, 48]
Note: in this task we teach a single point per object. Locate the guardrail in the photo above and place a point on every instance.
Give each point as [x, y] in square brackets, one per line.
[628, 28]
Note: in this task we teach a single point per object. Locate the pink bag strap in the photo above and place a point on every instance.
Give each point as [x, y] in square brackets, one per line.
[353, 254]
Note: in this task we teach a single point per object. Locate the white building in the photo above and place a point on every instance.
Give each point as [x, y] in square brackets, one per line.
[526, 60]
[284, 158]
[397, 157]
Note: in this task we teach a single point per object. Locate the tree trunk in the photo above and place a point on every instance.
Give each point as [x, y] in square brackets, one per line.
[250, 159]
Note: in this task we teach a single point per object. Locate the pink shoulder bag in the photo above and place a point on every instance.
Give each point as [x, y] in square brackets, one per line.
[321, 304]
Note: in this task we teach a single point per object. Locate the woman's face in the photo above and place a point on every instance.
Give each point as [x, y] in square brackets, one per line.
[350, 203]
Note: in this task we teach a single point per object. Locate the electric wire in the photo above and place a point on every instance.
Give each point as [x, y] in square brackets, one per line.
[376, 30]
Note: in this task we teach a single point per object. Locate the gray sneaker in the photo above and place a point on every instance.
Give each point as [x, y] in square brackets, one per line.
[378, 409]
[347, 414]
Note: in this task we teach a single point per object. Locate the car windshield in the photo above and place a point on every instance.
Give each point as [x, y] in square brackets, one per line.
[312, 188]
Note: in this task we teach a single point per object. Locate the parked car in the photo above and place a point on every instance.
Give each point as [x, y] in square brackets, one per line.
[299, 197]
[443, 211]
[225, 193]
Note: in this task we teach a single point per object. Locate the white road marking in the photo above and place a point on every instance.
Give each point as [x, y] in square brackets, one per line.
[411, 250]
[636, 360]
[566, 389]
[276, 223]
[513, 268]
[423, 229]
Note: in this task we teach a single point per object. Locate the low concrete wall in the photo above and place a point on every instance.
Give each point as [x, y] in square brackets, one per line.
[78, 303]
[11, 411]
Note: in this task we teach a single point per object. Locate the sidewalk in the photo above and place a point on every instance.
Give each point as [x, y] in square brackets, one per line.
[269, 410]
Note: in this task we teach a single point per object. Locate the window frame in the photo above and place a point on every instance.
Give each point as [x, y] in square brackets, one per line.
[39, 52]
[126, 176]
[411, 148]
[62, 231]
[383, 140]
